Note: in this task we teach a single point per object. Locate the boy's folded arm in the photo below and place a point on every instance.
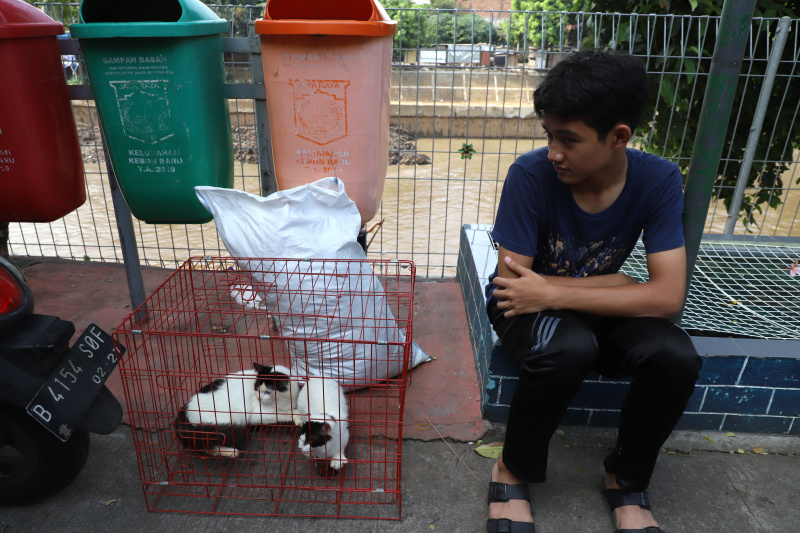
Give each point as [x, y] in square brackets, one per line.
[605, 280]
[610, 295]
[661, 296]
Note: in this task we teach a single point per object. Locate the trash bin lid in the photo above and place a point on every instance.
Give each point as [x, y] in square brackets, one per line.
[18, 19]
[100, 19]
[323, 17]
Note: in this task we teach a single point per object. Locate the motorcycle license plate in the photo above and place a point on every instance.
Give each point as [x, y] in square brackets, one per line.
[63, 399]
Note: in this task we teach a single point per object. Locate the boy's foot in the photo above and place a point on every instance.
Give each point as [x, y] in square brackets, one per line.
[516, 510]
[629, 516]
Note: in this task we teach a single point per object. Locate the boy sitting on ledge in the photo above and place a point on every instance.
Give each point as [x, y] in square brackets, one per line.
[568, 217]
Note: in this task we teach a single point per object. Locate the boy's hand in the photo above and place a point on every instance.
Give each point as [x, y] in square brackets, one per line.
[529, 293]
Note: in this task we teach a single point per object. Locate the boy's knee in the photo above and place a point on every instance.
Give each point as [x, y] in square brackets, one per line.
[677, 359]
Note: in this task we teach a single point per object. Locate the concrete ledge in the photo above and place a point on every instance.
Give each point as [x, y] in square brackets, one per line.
[746, 385]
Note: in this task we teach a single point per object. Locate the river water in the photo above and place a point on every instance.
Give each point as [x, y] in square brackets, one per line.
[423, 209]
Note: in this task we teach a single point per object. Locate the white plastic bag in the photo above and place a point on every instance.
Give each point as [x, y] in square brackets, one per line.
[335, 303]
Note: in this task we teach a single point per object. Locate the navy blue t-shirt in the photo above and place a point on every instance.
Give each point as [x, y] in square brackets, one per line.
[538, 217]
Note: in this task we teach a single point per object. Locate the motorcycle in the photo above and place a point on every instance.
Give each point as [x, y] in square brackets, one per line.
[51, 395]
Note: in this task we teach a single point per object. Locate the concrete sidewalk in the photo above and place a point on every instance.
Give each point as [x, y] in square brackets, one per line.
[702, 483]
[694, 490]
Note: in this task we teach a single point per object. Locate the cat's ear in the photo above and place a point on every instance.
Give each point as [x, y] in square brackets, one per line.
[261, 369]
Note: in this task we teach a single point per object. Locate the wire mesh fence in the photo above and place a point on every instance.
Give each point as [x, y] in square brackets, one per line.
[742, 291]
[466, 78]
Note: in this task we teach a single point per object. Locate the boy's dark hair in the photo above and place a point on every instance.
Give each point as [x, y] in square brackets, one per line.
[602, 89]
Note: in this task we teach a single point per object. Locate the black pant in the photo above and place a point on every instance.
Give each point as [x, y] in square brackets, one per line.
[559, 348]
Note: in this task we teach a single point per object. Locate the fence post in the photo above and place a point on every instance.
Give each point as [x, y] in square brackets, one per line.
[726, 64]
[758, 121]
[266, 167]
[127, 237]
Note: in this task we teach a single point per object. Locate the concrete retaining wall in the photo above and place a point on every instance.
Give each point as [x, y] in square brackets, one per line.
[426, 119]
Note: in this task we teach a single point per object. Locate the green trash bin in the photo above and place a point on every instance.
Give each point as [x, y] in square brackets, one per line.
[157, 73]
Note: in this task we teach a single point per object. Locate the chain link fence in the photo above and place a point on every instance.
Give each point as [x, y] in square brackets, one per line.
[446, 94]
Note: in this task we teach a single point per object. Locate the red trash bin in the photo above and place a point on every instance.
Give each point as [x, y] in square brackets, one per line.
[41, 168]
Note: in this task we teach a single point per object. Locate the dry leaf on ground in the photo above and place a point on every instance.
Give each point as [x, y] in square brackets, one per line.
[491, 450]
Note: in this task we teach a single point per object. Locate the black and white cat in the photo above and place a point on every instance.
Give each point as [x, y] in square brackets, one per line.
[215, 420]
[322, 417]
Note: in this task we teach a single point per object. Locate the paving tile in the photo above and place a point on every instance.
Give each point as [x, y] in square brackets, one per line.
[721, 370]
[600, 395]
[507, 388]
[699, 421]
[785, 402]
[772, 372]
[496, 414]
[503, 363]
[742, 400]
[696, 401]
[605, 419]
[756, 424]
[575, 417]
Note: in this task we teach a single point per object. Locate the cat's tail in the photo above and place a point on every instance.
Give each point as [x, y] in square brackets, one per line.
[209, 439]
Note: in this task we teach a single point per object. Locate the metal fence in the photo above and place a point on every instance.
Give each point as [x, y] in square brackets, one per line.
[447, 94]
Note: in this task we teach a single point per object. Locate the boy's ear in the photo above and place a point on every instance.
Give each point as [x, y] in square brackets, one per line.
[620, 135]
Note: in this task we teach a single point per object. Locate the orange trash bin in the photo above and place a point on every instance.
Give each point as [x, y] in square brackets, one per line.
[327, 68]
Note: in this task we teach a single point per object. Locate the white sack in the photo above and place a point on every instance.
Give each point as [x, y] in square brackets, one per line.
[327, 303]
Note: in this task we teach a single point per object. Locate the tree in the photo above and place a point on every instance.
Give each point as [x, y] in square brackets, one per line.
[539, 23]
[238, 12]
[459, 27]
[678, 82]
[424, 28]
[58, 10]
[410, 24]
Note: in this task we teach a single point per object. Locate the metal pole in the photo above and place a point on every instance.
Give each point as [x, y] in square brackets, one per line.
[127, 237]
[758, 121]
[269, 184]
[726, 64]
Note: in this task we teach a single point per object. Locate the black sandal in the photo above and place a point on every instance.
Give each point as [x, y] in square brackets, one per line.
[617, 498]
[502, 492]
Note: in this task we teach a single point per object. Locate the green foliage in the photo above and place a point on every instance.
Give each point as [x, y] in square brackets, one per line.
[678, 84]
[543, 31]
[423, 28]
[409, 23]
[239, 13]
[672, 7]
[763, 8]
[58, 10]
[444, 4]
[469, 29]
[467, 151]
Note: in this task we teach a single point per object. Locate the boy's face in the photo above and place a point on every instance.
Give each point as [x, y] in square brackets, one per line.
[577, 154]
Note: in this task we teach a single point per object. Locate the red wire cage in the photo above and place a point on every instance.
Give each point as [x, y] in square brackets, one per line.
[216, 316]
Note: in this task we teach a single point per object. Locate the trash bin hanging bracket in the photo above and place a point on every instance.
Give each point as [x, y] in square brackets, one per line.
[255, 91]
